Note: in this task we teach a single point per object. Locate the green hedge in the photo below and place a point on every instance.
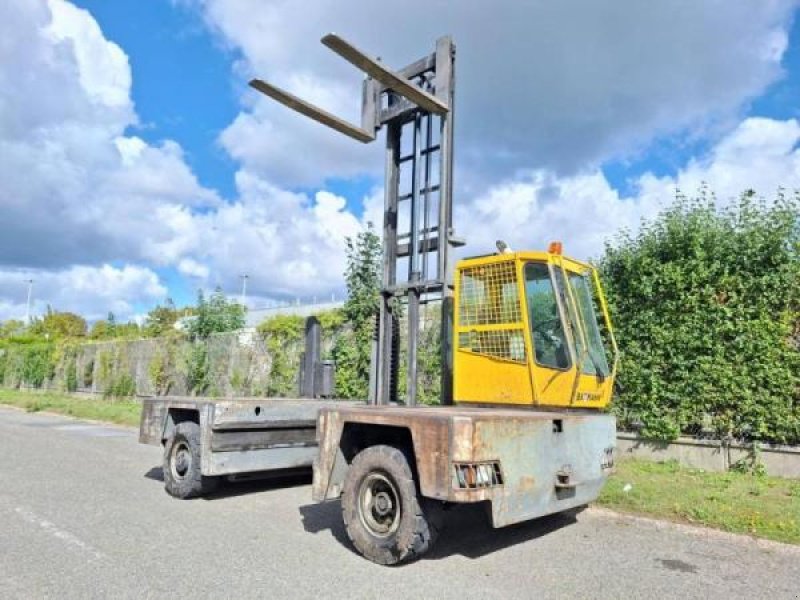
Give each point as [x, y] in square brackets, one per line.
[705, 303]
[27, 364]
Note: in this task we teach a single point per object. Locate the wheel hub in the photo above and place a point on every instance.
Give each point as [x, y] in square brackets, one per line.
[379, 505]
[181, 460]
[383, 503]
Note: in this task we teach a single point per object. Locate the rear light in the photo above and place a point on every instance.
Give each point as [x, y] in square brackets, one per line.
[470, 476]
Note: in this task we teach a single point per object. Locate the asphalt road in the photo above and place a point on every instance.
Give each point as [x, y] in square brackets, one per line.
[83, 515]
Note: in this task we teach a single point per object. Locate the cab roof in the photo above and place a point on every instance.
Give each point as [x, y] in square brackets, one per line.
[523, 256]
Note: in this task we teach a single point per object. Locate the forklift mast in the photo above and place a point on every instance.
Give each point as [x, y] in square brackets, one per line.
[416, 106]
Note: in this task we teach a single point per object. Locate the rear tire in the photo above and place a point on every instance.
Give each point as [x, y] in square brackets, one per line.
[183, 477]
[385, 517]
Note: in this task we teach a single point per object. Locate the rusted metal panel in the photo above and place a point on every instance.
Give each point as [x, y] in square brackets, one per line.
[151, 423]
[548, 465]
[257, 439]
[267, 412]
[250, 461]
[550, 461]
[430, 433]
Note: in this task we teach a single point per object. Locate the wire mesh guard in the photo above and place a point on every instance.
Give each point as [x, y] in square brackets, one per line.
[490, 311]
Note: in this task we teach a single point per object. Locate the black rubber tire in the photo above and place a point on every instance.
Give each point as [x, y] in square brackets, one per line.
[183, 478]
[418, 523]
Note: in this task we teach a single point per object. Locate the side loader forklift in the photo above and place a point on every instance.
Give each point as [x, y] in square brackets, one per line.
[526, 435]
[528, 360]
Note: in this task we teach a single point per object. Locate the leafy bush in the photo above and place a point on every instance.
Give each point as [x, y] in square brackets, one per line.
[331, 321]
[88, 373]
[284, 327]
[57, 324]
[71, 375]
[215, 315]
[122, 386]
[282, 334]
[38, 366]
[105, 368]
[158, 370]
[352, 350]
[705, 301]
[197, 369]
[430, 359]
[161, 320]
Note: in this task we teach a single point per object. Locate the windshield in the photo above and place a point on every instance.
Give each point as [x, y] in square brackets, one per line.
[593, 360]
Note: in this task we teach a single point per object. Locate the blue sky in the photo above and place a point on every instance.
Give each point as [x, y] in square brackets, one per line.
[157, 172]
[666, 156]
[182, 86]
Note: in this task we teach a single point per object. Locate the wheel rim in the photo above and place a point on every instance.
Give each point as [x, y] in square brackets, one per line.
[379, 505]
[181, 460]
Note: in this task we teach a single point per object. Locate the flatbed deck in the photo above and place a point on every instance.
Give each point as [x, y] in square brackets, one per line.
[241, 435]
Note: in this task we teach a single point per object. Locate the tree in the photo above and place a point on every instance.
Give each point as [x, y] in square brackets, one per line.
[215, 315]
[106, 329]
[11, 328]
[161, 319]
[100, 330]
[705, 303]
[57, 324]
[127, 330]
[352, 350]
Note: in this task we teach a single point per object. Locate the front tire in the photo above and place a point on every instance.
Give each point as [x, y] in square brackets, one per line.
[183, 477]
[385, 517]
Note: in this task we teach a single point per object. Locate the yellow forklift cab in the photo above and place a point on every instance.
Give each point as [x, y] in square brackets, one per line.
[528, 330]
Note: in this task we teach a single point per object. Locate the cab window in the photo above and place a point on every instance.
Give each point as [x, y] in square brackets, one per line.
[547, 330]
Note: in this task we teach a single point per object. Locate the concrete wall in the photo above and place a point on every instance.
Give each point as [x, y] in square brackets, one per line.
[712, 455]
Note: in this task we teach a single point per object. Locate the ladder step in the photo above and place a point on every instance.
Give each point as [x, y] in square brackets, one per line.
[434, 148]
[429, 245]
[427, 190]
[422, 232]
[432, 285]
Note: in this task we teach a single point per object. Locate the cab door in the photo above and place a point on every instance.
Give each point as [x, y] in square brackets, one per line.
[552, 359]
[596, 379]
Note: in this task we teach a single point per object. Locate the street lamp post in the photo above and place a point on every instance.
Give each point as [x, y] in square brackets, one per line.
[28, 305]
[244, 277]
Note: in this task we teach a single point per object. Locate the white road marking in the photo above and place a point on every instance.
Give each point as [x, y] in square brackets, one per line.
[65, 536]
[93, 430]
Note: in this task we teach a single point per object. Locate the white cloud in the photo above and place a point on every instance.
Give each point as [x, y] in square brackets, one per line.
[556, 85]
[192, 268]
[584, 210]
[103, 69]
[80, 193]
[289, 244]
[76, 192]
[760, 153]
[76, 188]
[89, 291]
